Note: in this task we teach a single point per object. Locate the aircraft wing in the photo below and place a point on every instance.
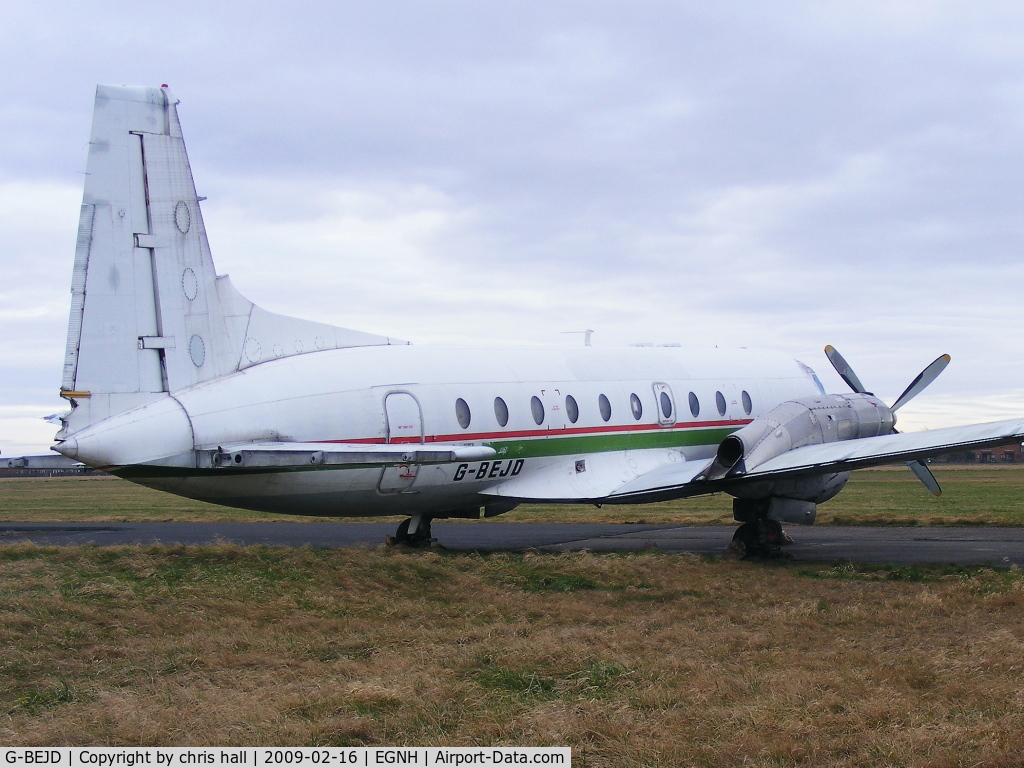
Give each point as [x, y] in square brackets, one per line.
[673, 481]
[277, 454]
[642, 476]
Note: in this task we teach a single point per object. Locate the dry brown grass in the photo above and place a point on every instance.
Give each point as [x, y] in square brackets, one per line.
[635, 660]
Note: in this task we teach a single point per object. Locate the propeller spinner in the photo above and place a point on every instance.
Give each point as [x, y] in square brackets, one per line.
[923, 379]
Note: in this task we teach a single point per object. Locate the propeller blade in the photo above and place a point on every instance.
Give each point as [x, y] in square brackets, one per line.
[925, 475]
[843, 369]
[924, 378]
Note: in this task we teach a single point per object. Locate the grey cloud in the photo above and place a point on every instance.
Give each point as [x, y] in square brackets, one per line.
[785, 175]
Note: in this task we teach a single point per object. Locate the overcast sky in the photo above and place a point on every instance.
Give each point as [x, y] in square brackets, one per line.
[782, 175]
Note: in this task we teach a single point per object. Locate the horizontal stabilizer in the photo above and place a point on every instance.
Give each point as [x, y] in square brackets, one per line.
[269, 336]
[249, 455]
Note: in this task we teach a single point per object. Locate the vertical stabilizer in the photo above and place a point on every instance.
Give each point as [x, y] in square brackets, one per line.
[148, 313]
[113, 302]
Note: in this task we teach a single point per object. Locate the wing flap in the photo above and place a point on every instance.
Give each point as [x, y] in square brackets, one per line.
[588, 477]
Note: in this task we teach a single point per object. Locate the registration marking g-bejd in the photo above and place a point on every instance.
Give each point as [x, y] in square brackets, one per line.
[489, 469]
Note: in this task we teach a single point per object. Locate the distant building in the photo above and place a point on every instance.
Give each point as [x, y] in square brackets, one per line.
[53, 465]
[1000, 454]
[1009, 454]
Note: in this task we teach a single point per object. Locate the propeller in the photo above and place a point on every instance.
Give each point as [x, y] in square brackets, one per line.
[923, 379]
[844, 370]
[926, 477]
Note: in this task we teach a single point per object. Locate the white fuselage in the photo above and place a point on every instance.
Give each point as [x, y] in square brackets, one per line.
[179, 382]
[411, 394]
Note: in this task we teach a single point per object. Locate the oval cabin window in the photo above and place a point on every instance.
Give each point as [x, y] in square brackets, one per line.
[666, 405]
[604, 407]
[694, 405]
[720, 402]
[462, 413]
[636, 406]
[501, 411]
[572, 410]
[537, 409]
[748, 406]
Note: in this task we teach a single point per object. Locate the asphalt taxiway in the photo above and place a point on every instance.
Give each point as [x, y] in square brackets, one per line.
[888, 545]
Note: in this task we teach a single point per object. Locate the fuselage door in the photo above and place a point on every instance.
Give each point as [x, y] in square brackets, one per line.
[665, 403]
[403, 422]
[403, 418]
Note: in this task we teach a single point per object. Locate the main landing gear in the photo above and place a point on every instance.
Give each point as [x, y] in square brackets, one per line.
[758, 537]
[414, 532]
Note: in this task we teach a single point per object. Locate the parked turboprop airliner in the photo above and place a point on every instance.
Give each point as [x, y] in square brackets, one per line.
[179, 383]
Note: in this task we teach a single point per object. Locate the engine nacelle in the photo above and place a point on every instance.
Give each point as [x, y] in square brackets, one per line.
[806, 421]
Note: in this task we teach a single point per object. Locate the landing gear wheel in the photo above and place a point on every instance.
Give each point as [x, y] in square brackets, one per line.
[773, 533]
[777, 537]
[420, 537]
[760, 539]
[744, 539]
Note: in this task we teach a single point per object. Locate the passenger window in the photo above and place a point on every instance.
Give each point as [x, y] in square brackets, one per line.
[462, 413]
[605, 407]
[501, 411]
[571, 409]
[747, 405]
[537, 408]
[666, 405]
[720, 402]
[636, 406]
[694, 405]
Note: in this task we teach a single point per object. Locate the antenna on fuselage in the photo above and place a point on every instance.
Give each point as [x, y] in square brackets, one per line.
[586, 335]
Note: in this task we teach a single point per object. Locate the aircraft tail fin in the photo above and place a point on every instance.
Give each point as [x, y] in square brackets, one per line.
[149, 315]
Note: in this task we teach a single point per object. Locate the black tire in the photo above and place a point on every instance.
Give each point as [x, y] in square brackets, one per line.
[419, 539]
[745, 533]
[402, 534]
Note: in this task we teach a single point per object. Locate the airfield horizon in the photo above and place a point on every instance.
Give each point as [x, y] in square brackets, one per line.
[981, 494]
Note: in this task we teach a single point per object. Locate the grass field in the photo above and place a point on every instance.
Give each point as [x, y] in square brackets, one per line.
[633, 660]
[972, 495]
[646, 659]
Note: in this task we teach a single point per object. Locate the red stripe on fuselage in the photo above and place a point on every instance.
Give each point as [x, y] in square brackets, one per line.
[549, 432]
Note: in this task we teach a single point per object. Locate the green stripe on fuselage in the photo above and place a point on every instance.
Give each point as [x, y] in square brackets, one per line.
[602, 443]
[526, 448]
